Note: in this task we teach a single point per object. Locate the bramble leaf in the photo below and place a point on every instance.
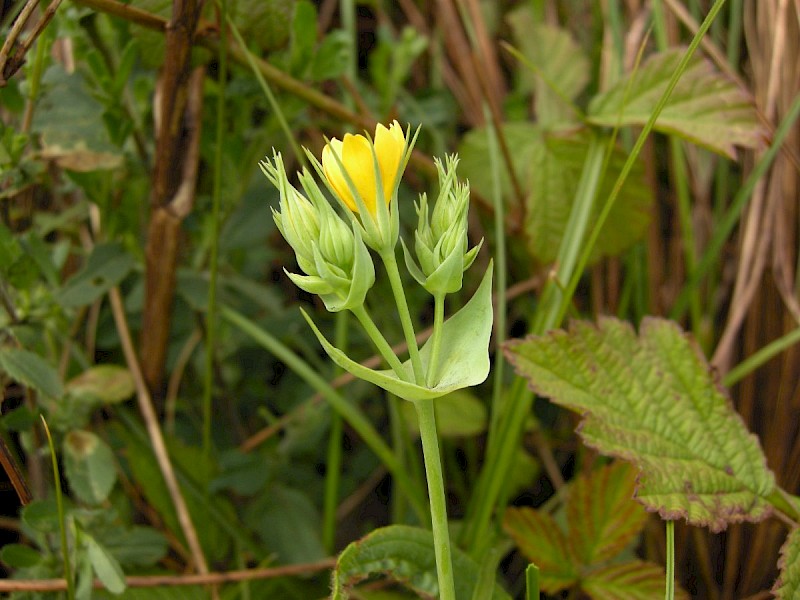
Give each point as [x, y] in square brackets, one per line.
[651, 399]
[705, 107]
[406, 555]
[633, 580]
[787, 587]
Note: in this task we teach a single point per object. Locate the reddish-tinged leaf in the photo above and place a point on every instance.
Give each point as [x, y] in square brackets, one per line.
[541, 541]
[787, 587]
[634, 580]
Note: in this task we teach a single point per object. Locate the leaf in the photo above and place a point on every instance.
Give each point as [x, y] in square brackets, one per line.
[70, 122]
[464, 356]
[652, 400]
[705, 108]
[31, 370]
[405, 554]
[19, 556]
[633, 580]
[458, 414]
[89, 466]
[104, 384]
[135, 546]
[560, 63]
[603, 518]
[104, 565]
[541, 541]
[107, 266]
[787, 586]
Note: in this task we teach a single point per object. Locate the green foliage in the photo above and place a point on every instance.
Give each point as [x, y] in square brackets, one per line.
[89, 466]
[31, 370]
[404, 554]
[602, 521]
[106, 266]
[705, 108]
[651, 399]
[458, 414]
[787, 587]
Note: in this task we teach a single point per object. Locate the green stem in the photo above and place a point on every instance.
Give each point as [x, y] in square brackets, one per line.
[436, 338]
[349, 412]
[670, 558]
[380, 342]
[62, 525]
[390, 262]
[433, 472]
[785, 503]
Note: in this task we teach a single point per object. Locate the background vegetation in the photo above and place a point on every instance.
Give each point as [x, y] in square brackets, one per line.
[197, 426]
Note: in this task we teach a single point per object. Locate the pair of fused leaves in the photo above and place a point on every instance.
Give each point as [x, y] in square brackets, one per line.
[602, 520]
[406, 555]
[464, 352]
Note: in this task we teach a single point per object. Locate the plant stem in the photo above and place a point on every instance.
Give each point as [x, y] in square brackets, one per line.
[433, 472]
[670, 558]
[436, 339]
[380, 342]
[390, 262]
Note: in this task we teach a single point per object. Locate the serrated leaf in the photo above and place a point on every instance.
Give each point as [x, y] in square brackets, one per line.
[560, 62]
[633, 580]
[105, 384]
[602, 515]
[89, 466]
[787, 586]
[541, 541]
[106, 267]
[104, 565]
[405, 554]
[464, 355]
[69, 121]
[458, 414]
[31, 370]
[705, 108]
[549, 167]
[651, 399]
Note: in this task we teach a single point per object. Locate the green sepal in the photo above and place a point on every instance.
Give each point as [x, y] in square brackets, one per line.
[464, 359]
[362, 279]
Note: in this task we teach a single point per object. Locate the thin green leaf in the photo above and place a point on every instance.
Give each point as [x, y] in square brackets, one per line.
[540, 539]
[633, 580]
[787, 587]
[652, 400]
[464, 356]
[706, 107]
[31, 370]
[603, 518]
[404, 554]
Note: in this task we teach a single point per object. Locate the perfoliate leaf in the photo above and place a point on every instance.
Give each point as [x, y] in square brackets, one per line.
[602, 515]
[634, 580]
[787, 587]
[651, 399]
[89, 466]
[562, 68]
[458, 414]
[705, 107]
[464, 354]
[404, 554]
[541, 541]
[31, 370]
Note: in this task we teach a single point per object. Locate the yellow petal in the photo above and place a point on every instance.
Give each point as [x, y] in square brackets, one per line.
[358, 162]
[333, 173]
[389, 147]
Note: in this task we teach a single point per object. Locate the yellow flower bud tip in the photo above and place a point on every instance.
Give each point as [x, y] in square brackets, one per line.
[355, 156]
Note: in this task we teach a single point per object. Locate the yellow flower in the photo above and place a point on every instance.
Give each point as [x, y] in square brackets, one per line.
[355, 155]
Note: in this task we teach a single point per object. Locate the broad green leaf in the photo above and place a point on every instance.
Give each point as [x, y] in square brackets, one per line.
[705, 108]
[106, 267]
[70, 123]
[18, 556]
[562, 69]
[135, 546]
[787, 587]
[89, 466]
[31, 370]
[405, 554]
[458, 414]
[103, 384]
[464, 357]
[602, 515]
[548, 166]
[41, 516]
[541, 541]
[652, 399]
[633, 580]
[104, 565]
[264, 23]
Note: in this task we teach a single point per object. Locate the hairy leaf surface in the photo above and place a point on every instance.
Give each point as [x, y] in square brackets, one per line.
[651, 399]
[787, 587]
